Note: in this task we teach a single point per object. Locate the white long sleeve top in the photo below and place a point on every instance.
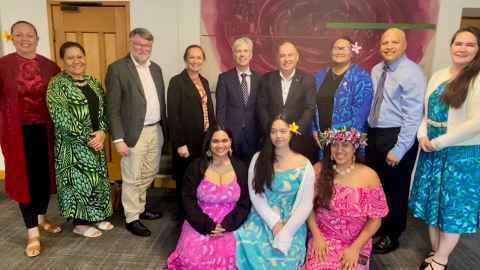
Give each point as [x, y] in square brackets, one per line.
[463, 124]
[301, 208]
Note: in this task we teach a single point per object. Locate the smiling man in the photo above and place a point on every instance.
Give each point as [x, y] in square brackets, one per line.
[291, 92]
[236, 100]
[138, 119]
[395, 115]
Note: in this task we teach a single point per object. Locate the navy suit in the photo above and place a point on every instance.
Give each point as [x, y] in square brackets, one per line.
[233, 114]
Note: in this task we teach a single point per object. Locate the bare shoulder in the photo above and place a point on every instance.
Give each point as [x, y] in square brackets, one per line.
[369, 176]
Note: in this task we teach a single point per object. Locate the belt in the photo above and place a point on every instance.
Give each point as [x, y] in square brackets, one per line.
[436, 124]
[153, 124]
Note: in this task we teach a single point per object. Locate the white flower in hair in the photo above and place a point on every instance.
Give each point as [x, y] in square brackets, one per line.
[356, 48]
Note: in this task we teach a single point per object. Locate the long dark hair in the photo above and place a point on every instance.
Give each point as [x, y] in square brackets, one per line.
[457, 90]
[264, 165]
[324, 187]
[206, 159]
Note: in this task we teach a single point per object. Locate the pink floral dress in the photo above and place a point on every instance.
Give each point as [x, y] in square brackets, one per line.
[196, 251]
[342, 223]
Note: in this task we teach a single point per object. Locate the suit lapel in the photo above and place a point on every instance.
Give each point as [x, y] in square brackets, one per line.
[293, 87]
[254, 81]
[136, 78]
[192, 87]
[157, 81]
[277, 87]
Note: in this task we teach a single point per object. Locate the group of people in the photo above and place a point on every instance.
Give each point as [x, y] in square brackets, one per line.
[273, 176]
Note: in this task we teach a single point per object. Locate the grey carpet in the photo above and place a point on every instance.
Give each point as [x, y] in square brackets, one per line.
[118, 249]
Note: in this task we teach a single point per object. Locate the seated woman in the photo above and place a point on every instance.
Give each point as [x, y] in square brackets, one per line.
[344, 92]
[348, 207]
[280, 183]
[77, 106]
[215, 197]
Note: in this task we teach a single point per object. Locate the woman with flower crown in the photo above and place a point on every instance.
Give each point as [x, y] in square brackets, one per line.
[344, 91]
[280, 183]
[348, 205]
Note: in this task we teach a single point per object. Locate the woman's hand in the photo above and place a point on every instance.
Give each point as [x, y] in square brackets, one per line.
[426, 145]
[320, 248]
[349, 258]
[219, 230]
[97, 140]
[183, 151]
[277, 228]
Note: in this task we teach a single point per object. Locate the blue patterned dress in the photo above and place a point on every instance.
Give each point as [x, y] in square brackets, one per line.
[446, 187]
[254, 238]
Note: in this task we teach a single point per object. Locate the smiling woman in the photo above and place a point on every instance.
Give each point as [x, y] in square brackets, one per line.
[77, 106]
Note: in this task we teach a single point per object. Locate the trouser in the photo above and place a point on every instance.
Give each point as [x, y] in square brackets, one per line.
[243, 148]
[139, 169]
[35, 142]
[395, 180]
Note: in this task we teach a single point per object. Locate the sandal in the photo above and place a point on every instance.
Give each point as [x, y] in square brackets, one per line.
[437, 263]
[33, 247]
[104, 225]
[91, 232]
[50, 227]
[425, 263]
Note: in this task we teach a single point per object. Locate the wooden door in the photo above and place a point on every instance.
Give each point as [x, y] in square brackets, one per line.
[470, 21]
[102, 29]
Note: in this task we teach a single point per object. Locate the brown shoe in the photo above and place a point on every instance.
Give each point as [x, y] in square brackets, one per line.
[50, 227]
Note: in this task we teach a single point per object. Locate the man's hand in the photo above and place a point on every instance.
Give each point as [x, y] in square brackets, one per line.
[391, 159]
[122, 149]
[183, 151]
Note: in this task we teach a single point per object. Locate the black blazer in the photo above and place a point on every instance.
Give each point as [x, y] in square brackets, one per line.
[185, 115]
[200, 221]
[300, 104]
[126, 103]
[232, 113]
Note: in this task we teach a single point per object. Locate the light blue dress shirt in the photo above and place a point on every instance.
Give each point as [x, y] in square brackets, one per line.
[402, 104]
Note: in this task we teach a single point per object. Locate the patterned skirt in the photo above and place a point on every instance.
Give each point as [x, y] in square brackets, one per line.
[446, 189]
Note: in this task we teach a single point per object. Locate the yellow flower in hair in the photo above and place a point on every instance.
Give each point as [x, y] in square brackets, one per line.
[293, 127]
[7, 36]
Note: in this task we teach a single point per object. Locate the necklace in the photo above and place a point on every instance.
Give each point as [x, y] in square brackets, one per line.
[80, 83]
[221, 170]
[343, 172]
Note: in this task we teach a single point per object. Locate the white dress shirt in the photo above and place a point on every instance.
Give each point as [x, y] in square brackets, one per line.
[286, 82]
[248, 77]
[152, 114]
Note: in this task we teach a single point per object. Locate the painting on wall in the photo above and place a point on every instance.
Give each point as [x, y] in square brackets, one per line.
[313, 25]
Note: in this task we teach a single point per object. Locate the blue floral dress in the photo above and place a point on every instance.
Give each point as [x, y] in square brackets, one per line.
[254, 238]
[446, 187]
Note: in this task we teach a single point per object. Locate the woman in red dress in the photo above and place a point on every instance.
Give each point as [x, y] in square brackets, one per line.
[26, 131]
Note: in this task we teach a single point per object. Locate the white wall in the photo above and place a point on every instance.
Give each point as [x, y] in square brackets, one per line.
[176, 24]
[448, 22]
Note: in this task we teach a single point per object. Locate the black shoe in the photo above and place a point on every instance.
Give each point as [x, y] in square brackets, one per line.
[136, 227]
[148, 215]
[424, 264]
[385, 245]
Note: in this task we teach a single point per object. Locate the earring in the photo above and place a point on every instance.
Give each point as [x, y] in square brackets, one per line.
[209, 153]
[230, 151]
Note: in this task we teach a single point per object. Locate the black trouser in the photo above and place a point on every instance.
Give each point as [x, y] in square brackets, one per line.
[36, 155]
[395, 180]
[77, 221]
[180, 164]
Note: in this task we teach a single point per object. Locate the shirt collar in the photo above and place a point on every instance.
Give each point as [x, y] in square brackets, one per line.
[289, 78]
[395, 64]
[147, 64]
[248, 72]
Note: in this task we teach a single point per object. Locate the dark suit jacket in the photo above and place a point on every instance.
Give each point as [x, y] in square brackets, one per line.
[200, 221]
[126, 104]
[185, 115]
[298, 108]
[232, 113]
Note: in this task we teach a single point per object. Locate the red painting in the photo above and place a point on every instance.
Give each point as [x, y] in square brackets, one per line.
[313, 25]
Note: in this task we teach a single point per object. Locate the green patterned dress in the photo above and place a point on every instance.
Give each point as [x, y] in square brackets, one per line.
[82, 183]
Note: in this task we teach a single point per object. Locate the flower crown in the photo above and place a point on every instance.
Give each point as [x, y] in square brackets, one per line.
[329, 136]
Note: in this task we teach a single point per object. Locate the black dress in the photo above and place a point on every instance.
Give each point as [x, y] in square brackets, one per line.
[326, 97]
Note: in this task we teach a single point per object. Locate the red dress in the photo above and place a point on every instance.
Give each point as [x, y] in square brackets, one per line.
[23, 86]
